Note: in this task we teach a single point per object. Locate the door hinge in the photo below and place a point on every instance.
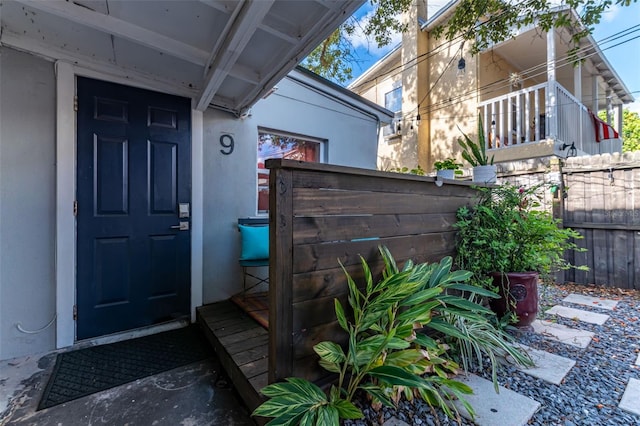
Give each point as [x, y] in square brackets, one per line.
[75, 207]
[75, 103]
[75, 312]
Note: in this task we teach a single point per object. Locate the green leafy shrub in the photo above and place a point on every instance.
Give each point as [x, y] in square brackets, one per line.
[388, 353]
[475, 151]
[507, 232]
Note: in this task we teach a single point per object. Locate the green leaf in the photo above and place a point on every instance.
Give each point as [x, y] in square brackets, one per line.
[397, 376]
[421, 296]
[330, 352]
[295, 386]
[346, 410]
[446, 328]
[329, 366]
[378, 394]
[425, 341]
[475, 289]
[420, 313]
[342, 319]
[465, 304]
[403, 358]
[328, 416]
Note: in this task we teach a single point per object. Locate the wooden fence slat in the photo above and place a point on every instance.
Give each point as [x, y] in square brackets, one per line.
[336, 228]
[382, 182]
[316, 257]
[310, 202]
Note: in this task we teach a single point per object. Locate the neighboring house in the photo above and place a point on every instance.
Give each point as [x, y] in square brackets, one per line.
[531, 99]
[129, 146]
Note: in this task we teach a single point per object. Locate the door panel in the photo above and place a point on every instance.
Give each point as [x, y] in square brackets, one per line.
[134, 167]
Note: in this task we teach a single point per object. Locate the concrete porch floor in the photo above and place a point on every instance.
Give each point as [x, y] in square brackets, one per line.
[196, 394]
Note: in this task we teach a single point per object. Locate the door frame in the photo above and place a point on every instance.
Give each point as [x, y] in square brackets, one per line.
[66, 130]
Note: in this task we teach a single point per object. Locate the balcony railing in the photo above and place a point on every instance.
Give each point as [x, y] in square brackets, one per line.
[541, 112]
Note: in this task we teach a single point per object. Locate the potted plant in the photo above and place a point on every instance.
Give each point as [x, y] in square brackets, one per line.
[447, 168]
[475, 153]
[507, 241]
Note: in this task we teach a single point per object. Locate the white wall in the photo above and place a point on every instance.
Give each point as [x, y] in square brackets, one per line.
[28, 187]
[27, 203]
[230, 180]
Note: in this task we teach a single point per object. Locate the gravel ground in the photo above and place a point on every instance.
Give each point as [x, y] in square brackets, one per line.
[589, 393]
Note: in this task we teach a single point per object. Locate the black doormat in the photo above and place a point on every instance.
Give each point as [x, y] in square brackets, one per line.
[85, 371]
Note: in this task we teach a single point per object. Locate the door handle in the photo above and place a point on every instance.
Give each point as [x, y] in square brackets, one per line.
[183, 226]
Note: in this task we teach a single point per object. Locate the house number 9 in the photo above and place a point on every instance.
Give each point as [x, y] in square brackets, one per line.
[227, 142]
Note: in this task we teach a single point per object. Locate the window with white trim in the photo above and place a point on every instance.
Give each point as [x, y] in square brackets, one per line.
[282, 145]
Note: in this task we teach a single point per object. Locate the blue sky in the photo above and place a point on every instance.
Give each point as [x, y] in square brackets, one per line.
[624, 58]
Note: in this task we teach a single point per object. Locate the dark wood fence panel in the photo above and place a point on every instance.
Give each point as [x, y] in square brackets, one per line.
[603, 204]
[323, 214]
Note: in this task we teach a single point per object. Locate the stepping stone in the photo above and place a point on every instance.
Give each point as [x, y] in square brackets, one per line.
[579, 314]
[591, 301]
[506, 408]
[393, 421]
[563, 334]
[631, 398]
[548, 367]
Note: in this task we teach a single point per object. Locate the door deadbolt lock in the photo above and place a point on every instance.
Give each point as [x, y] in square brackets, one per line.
[183, 210]
[183, 226]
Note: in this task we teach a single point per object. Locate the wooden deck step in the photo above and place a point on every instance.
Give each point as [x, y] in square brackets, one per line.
[242, 345]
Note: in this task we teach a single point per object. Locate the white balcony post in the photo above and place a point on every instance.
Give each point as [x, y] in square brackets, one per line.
[552, 107]
[595, 90]
[577, 81]
[619, 115]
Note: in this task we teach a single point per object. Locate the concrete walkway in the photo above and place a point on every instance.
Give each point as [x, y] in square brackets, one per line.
[193, 395]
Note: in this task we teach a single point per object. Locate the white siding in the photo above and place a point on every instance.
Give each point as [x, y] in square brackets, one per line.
[27, 203]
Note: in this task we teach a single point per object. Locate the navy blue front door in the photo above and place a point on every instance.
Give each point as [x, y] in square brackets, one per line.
[133, 170]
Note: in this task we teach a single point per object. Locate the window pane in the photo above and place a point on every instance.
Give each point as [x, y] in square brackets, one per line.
[393, 100]
[272, 145]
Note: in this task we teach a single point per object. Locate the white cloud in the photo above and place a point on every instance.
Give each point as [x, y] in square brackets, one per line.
[360, 41]
[633, 107]
[611, 13]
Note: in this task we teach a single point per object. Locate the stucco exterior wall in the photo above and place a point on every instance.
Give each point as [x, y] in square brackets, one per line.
[230, 187]
[27, 203]
[453, 100]
[28, 186]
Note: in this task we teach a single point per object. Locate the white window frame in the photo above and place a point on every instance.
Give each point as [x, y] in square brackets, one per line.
[321, 156]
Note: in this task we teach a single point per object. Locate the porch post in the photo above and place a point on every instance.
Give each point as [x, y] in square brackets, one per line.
[577, 81]
[552, 107]
[577, 92]
[594, 104]
[619, 119]
[609, 107]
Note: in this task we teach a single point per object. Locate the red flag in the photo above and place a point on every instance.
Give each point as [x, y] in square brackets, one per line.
[603, 129]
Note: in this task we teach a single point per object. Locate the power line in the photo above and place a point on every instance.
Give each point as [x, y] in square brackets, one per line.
[484, 89]
[422, 57]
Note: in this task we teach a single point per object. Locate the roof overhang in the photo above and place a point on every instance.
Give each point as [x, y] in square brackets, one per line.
[223, 53]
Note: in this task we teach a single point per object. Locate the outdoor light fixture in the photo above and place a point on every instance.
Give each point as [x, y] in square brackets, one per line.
[418, 120]
[461, 66]
[573, 152]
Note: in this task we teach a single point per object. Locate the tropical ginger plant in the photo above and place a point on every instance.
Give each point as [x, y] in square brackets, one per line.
[387, 353]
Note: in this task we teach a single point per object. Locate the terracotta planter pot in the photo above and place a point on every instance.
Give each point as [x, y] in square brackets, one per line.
[519, 294]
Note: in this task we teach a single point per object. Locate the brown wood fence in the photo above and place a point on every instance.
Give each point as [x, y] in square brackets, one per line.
[322, 213]
[603, 204]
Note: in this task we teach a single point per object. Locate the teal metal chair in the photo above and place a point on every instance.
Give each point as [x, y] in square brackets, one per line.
[254, 256]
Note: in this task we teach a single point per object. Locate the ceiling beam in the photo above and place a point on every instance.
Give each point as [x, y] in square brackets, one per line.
[240, 32]
[120, 28]
[322, 28]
